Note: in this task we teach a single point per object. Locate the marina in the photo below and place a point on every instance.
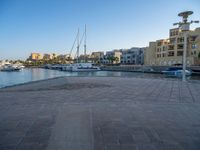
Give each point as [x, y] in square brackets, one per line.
[36, 74]
[99, 75]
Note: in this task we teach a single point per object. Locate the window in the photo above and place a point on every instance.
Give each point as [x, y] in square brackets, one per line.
[193, 38]
[170, 54]
[194, 46]
[159, 43]
[166, 42]
[180, 53]
[163, 48]
[180, 46]
[172, 40]
[180, 40]
[159, 55]
[171, 47]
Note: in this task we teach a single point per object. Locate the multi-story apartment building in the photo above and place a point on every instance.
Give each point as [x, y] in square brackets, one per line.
[97, 54]
[170, 51]
[134, 55]
[83, 58]
[149, 55]
[35, 56]
[97, 57]
[112, 57]
[63, 57]
[48, 56]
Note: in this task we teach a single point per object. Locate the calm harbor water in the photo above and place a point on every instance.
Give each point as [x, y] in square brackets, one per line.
[35, 74]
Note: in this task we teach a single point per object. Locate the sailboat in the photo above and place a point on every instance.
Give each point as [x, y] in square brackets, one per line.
[81, 67]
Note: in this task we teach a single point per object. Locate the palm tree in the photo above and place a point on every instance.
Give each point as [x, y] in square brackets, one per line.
[116, 60]
[54, 55]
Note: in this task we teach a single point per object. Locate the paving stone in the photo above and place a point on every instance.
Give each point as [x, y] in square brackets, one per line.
[129, 147]
[147, 147]
[111, 139]
[112, 147]
[7, 147]
[126, 139]
[102, 113]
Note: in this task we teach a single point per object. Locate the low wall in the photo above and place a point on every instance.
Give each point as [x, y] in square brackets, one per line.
[143, 68]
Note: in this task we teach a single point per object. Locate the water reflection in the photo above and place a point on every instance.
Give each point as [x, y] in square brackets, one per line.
[27, 75]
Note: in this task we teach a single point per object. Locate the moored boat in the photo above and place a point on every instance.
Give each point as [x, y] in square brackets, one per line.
[176, 72]
[83, 67]
[80, 67]
[11, 67]
[67, 67]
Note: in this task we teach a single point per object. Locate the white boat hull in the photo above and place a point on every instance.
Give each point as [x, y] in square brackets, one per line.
[9, 67]
[81, 67]
[177, 73]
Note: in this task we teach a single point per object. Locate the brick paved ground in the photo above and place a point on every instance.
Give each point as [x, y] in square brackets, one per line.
[104, 113]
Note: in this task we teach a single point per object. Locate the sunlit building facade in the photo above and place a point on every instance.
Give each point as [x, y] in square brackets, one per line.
[35, 56]
[169, 51]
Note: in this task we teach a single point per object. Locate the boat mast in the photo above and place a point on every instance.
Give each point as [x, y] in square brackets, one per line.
[70, 54]
[77, 47]
[85, 44]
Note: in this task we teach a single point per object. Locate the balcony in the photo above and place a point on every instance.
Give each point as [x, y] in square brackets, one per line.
[179, 53]
[194, 46]
[170, 54]
[173, 32]
[193, 38]
[170, 47]
[172, 40]
[180, 46]
[180, 40]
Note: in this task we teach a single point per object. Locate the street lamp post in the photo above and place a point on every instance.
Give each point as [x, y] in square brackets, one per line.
[184, 27]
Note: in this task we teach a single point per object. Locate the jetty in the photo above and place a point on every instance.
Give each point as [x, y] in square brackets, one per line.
[147, 69]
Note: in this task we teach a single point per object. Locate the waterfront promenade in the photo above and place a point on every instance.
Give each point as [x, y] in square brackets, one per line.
[101, 113]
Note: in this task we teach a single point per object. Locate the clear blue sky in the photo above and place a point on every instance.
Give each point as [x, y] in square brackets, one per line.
[47, 26]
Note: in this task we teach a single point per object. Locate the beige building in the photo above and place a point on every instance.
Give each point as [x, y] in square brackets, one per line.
[97, 57]
[170, 51]
[62, 57]
[149, 55]
[116, 54]
[48, 56]
[35, 56]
